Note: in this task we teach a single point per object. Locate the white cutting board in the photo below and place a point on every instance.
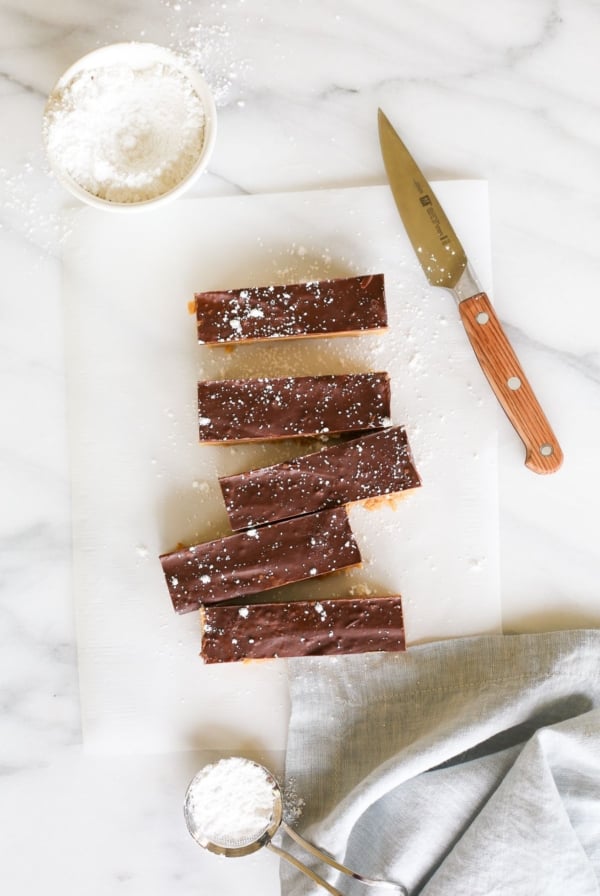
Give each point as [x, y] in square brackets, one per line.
[142, 483]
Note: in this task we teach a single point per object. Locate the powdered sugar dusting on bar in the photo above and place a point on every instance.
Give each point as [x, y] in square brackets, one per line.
[328, 307]
[303, 628]
[245, 564]
[375, 465]
[284, 407]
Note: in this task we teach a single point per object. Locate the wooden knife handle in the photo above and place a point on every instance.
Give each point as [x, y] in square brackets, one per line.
[501, 366]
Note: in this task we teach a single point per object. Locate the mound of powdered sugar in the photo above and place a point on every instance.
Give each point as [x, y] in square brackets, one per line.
[124, 134]
[231, 802]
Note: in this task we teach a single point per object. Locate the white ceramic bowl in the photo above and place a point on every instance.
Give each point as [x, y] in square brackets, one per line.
[137, 56]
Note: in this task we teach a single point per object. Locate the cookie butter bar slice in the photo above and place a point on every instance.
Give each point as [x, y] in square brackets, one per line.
[302, 628]
[363, 469]
[286, 407]
[260, 559]
[344, 306]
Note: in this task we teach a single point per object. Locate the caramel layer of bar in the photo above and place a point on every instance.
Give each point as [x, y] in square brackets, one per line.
[373, 465]
[302, 628]
[285, 407]
[326, 307]
[260, 559]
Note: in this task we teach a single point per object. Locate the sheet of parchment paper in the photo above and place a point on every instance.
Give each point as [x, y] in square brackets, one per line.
[142, 483]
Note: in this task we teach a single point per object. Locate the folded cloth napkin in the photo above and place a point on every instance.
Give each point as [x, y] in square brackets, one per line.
[464, 767]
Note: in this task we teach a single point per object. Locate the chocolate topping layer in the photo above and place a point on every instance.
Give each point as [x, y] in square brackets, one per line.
[284, 407]
[260, 559]
[345, 305]
[373, 465]
[302, 628]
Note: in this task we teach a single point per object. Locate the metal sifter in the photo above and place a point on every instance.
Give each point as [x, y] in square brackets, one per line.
[253, 797]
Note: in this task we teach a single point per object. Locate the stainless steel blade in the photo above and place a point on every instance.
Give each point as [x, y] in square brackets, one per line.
[437, 247]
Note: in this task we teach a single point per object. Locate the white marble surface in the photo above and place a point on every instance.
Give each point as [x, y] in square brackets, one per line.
[504, 91]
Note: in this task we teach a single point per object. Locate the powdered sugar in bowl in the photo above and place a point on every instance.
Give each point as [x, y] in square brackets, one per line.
[129, 126]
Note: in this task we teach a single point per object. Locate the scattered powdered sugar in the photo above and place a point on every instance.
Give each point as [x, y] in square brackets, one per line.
[293, 803]
[211, 37]
[230, 803]
[30, 206]
[123, 134]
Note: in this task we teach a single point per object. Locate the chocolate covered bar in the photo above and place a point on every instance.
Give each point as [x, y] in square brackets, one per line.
[374, 465]
[326, 307]
[302, 628]
[284, 407]
[259, 559]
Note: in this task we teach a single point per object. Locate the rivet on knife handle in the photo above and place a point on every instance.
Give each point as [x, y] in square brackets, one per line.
[501, 366]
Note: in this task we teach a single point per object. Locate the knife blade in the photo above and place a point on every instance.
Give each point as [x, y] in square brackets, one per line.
[445, 264]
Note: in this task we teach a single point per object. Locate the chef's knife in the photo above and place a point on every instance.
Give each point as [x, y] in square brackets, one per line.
[445, 264]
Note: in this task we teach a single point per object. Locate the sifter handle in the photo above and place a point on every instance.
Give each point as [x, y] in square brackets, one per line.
[304, 869]
[319, 854]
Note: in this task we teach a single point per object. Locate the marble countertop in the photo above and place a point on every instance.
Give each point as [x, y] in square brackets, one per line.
[506, 92]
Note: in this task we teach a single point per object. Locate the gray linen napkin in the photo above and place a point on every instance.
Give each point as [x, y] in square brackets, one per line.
[464, 767]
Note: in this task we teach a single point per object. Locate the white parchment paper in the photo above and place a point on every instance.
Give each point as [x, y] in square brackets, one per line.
[141, 482]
